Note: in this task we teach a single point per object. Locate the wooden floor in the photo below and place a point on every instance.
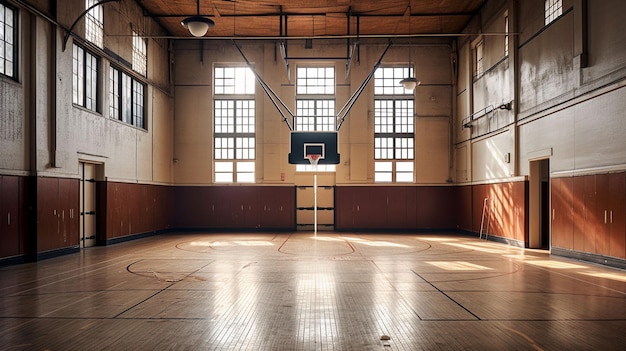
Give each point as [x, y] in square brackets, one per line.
[333, 291]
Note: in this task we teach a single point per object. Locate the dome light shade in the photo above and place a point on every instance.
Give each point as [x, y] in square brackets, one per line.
[197, 25]
[410, 83]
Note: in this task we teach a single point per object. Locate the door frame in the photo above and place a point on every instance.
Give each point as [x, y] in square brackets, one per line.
[98, 174]
[537, 218]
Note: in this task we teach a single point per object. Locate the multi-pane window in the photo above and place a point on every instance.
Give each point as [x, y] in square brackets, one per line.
[553, 9]
[479, 58]
[394, 126]
[85, 67]
[234, 135]
[140, 55]
[126, 98]
[8, 46]
[315, 105]
[315, 115]
[94, 27]
[506, 33]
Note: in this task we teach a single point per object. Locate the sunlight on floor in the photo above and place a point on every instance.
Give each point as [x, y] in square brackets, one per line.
[458, 266]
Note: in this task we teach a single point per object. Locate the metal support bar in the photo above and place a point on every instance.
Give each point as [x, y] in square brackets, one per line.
[270, 93]
[69, 31]
[343, 113]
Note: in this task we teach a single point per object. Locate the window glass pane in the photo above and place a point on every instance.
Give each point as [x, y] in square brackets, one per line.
[404, 166]
[223, 177]
[234, 81]
[223, 166]
[127, 90]
[404, 177]
[94, 27]
[315, 81]
[140, 55]
[8, 30]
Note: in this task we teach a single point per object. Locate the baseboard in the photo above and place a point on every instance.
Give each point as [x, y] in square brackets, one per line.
[13, 260]
[57, 252]
[121, 239]
[589, 257]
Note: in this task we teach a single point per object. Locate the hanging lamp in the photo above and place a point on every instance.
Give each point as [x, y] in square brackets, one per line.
[410, 83]
[197, 25]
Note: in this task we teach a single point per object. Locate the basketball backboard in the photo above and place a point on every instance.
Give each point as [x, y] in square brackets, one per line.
[314, 143]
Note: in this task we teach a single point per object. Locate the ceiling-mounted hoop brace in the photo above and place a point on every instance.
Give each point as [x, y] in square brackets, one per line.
[283, 44]
[343, 113]
[270, 93]
[69, 31]
[352, 48]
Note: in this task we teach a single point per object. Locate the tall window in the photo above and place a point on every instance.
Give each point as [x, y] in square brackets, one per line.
[84, 78]
[8, 34]
[126, 98]
[94, 27]
[506, 33]
[553, 9]
[234, 125]
[140, 55]
[479, 57]
[394, 126]
[315, 104]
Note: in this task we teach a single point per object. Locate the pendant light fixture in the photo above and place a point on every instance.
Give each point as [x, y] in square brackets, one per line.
[410, 82]
[197, 25]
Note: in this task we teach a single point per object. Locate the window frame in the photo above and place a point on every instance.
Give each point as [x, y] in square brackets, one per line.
[124, 98]
[86, 87]
[479, 57]
[553, 9]
[315, 90]
[94, 24]
[234, 124]
[394, 123]
[140, 54]
[14, 27]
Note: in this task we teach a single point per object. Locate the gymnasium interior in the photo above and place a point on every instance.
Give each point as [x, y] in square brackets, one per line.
[300, 175]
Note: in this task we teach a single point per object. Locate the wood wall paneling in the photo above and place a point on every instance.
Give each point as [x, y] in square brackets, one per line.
[435, 207]
[463, 207]
[592, 214]
[10, 216]
[370, 207]
[617, 208]
[601, 234]
[562, 230]
[344, 212]
[579, 212]
[396, 208]
[57, 227]
[278, 204]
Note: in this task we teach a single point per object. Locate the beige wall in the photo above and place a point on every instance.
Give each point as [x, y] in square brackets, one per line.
[563, 108]
[567, 93]
[193, 108]
[45, 134]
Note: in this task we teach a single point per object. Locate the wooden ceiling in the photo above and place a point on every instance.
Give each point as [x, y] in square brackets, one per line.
[317, 18]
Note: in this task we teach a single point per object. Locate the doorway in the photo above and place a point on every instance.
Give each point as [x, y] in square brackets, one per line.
[539, 204]
[87, 172]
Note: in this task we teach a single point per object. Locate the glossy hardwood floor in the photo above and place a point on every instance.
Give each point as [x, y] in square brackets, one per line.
[333, 291]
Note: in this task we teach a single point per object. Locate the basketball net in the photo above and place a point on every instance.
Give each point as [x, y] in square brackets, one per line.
[313, 158]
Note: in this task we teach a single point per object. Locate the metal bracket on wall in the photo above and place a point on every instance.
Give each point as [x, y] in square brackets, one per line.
[69, 31]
